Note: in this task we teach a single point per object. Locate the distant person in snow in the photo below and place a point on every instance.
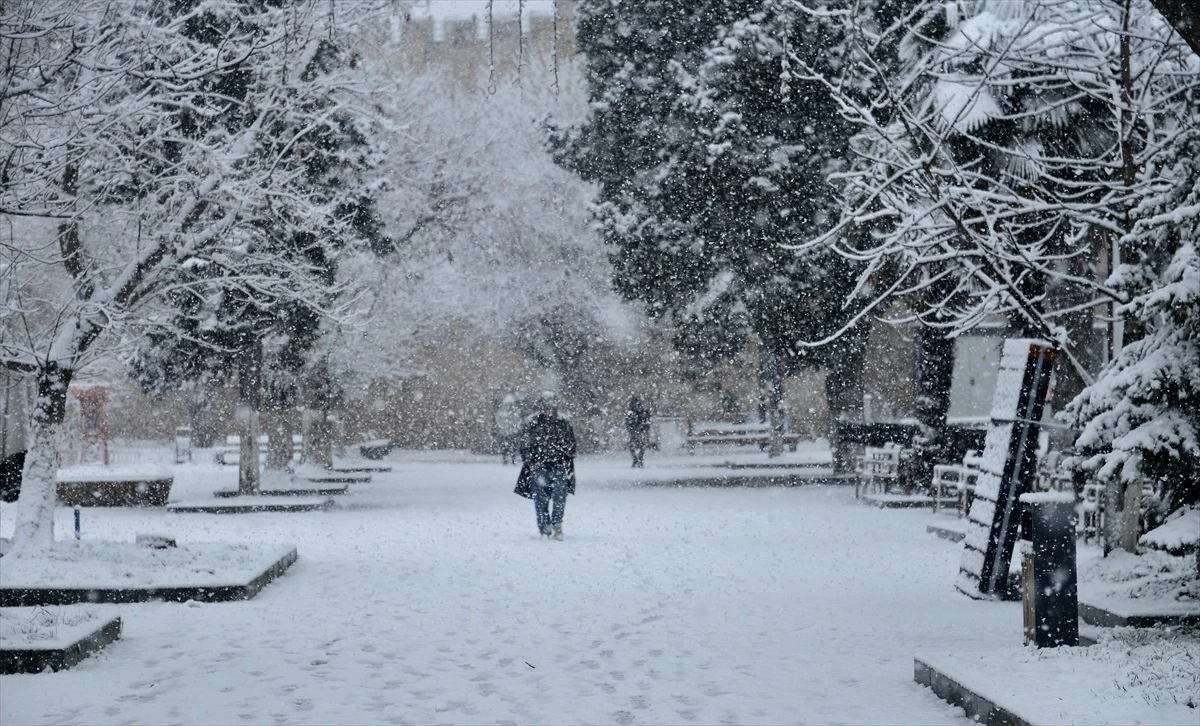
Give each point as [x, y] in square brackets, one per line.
[637, 423]
[507, 423]
[548, 471]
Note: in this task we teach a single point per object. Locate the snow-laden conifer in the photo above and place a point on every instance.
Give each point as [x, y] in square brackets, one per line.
[1141, 418]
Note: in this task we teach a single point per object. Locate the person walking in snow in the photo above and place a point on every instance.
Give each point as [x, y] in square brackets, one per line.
[637, 423]
[548, 456]
[507, 422]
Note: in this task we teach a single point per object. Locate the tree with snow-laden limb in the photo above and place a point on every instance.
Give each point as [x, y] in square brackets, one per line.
[153, 149]
[1003, 158]
[219, 326]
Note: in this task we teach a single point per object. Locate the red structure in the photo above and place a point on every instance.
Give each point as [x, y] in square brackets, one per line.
[93, 424]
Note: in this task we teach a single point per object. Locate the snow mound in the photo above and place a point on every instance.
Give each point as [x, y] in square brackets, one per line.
[1177, 536]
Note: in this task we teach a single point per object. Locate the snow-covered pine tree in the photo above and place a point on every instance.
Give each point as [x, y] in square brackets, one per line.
[1141, 418]
[746, 175]
[710, 157]
[632, 50]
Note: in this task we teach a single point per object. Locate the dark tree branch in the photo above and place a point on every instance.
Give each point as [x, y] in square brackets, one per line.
[1184, 16]
[74, 258]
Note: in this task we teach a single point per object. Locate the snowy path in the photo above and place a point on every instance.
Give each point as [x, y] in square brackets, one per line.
[428, 599]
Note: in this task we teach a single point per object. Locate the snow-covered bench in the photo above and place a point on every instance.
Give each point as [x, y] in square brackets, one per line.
[719, 432]
[878, 469]
[231, 452]
[955, 483]
[375, 449]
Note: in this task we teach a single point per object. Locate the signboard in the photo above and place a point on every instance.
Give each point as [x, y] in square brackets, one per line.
[973, 380]
[1007, 466]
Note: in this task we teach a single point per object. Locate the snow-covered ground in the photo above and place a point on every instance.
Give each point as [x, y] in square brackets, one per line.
[427, 597]
[104, 565]
[38, 628]
[1132, 676]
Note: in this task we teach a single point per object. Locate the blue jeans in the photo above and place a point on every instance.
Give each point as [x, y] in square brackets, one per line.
[549, 488]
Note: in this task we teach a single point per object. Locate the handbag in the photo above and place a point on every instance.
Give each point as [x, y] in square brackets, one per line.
[525, 482]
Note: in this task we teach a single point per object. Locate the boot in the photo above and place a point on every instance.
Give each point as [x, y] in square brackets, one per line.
[558, 535]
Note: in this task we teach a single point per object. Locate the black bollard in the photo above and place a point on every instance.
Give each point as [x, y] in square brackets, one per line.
[1055, 595]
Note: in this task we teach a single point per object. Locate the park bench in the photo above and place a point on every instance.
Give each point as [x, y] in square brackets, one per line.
[375, 449]
[701, 433]
[878, 469]
[956, 483]
[231, 452]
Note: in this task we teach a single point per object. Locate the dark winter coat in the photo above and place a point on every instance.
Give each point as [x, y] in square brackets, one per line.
[637, 418]
[548, 440]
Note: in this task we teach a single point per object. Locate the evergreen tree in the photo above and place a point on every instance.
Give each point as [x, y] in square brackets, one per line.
[759, 142]
[1141, 418]
[633, 50]
[712, 157]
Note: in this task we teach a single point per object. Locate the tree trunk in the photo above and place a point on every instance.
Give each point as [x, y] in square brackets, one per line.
[39, 487]
[249, 404]
[279, 404]
[935, 365]
[318, 439]
[200, 415]
[1124, 501]
[319, 399]
[279, 439]
[844, 391]
[770, 391]
[1122, 515]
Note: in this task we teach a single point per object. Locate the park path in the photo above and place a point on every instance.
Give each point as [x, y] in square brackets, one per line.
[428, 598]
